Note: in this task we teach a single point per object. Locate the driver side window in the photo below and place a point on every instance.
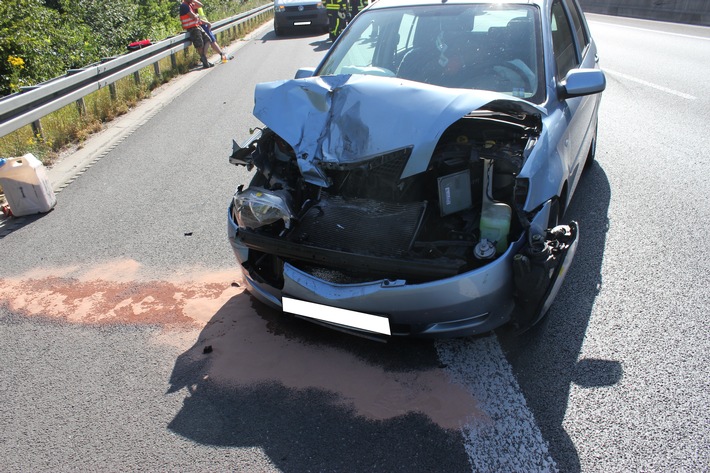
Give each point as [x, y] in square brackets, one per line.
[406, 32]
[562, 41]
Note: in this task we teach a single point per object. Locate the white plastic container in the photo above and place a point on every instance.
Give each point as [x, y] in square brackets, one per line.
[26, 185]
[495, 216]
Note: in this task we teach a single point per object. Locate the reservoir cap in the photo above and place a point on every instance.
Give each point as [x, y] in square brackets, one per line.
[485, 249]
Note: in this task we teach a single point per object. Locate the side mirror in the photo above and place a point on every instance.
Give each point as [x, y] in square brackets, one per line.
[581, 82]
[305, 72]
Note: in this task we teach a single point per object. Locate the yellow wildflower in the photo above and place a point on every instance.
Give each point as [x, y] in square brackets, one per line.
[16, 61]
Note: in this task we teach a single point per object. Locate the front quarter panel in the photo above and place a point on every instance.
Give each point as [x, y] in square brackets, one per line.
[543, 168]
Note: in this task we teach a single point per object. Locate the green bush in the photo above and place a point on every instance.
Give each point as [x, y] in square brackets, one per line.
[38, 43]
[40, 40]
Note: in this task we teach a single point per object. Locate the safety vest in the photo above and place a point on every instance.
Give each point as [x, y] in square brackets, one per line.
[335, 4]
[201, 12]
[188, 21]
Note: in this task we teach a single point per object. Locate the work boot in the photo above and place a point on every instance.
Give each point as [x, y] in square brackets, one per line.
[205, 63]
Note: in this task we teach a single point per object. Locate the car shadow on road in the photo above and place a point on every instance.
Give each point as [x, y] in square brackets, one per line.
[545, 358]
[317, 400]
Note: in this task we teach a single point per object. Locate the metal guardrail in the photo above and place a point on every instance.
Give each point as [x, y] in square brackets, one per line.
[31, 104]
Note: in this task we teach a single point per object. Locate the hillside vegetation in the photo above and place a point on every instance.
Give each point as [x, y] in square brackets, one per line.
[42, 39]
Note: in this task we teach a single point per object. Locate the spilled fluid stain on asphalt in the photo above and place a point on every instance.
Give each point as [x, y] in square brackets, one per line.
[196, 310]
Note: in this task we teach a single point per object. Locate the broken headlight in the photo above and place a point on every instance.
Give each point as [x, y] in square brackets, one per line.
[255, 207]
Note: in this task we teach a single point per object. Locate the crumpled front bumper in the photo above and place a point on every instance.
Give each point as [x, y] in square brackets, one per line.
[470, 303]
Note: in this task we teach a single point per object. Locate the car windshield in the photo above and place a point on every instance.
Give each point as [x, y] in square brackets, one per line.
[480, 46]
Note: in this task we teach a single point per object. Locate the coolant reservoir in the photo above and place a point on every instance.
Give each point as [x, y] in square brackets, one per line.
[495, 216]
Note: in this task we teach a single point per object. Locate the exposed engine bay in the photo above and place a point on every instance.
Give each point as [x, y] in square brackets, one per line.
[368, 222]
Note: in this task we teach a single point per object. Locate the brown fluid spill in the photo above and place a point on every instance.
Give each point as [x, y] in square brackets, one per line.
[116, 293]
[245, 352]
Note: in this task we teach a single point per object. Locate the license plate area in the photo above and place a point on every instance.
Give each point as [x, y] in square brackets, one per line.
[334, 315]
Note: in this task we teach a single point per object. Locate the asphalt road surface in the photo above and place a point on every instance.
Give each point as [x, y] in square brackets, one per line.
[126, 342]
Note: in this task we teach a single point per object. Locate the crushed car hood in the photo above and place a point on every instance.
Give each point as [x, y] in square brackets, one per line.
[351, 118]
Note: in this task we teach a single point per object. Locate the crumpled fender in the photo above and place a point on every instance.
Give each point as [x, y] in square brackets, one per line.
[539, 269]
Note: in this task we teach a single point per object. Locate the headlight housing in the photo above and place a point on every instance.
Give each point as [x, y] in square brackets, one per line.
[256, 207]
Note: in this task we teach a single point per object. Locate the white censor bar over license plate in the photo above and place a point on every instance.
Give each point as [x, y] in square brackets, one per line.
[335, 315]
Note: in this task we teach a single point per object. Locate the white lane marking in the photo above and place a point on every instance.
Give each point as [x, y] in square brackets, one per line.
[650, 84]
[511, 440]
[648, 30]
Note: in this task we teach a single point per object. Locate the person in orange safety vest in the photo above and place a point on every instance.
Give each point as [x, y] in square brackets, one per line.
[192, 24]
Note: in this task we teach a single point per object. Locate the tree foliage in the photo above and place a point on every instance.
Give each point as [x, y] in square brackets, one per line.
[41, 39]
[37, 43]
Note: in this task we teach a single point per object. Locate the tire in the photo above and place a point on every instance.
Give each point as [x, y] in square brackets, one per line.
[279, 31]
[554, 219]
[592, 151]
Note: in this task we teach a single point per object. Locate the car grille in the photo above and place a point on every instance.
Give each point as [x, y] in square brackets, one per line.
[361, 226]
[305, 8]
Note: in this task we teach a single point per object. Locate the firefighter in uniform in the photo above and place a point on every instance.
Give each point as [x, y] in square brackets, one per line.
[338, 17]
[356, 6]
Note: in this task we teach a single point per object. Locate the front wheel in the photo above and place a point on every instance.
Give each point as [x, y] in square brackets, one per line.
[592, 150]
[555, 216]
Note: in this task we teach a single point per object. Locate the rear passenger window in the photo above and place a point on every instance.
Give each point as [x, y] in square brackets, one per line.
[562, 42]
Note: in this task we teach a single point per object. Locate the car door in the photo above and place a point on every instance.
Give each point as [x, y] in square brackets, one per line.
[573, 49]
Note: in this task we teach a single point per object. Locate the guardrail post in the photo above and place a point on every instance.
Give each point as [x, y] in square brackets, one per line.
[156, 68]
[112, 91]
[137, 77]
[37, 130]
[81, 107]
[173, 60]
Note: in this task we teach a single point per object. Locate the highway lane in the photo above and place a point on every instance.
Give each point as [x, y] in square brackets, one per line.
[614, 378]
[617, 376]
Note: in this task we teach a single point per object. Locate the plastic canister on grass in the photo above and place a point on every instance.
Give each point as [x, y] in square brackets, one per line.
[495, 216]
[26, 185]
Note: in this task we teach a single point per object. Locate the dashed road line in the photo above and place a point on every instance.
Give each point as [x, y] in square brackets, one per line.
[650, 84]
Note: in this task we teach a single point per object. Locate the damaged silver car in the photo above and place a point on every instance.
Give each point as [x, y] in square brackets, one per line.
[414, 183]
